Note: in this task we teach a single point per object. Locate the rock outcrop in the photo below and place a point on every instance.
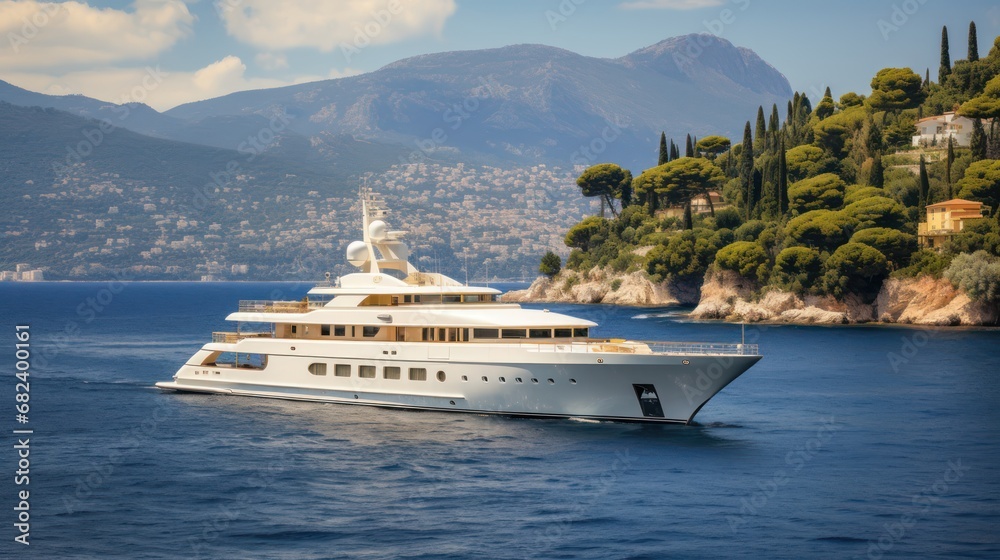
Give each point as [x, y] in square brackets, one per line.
[603, 286]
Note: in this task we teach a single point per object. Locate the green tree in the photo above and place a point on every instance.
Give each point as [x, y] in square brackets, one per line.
[760, 131]
[945, 67]
[860, 192]
[877, 211]
[894, 89]
[782, 180]
[981, 183]
[713, 145]
[824, 191]
[823, 230]
[664, 154]
[978, 274]
[680, 180]
[746, 258]
[897, 246]
[825, 107]
[808, 161]
[746, 170]
[985, 105]
[686, 254]
[674, 152]
[977, 144]
[834, 133]
[851, 99]
[924, 187]
[973, 43]
[589, 233]
[688, 147]
[876, 177]
[797, 269]
[855, 268]
[551, 264]
[605, 180]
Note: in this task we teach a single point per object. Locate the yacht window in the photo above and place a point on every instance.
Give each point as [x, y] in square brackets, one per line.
[503, 380]
[395, 300]
[581, 332]
[465, 335]
[427, 334]
[324, 330]
[369, 332]
[317, 369]
[486, 379]
[342, 370]
[486, 333]
[552, 381]
[390, 372]
[240, 360]
[407, 299]
[294, 329]
[465, 378]
[368, 372]
[513, 333]
[430, 299]
[339, 330]
[540, 333]
[416, 299]
[441, 335]
[441, 376]
[418, 374]
[452, 299]
[564, 333]
[518, 380]
[533, 380]
[352, 332]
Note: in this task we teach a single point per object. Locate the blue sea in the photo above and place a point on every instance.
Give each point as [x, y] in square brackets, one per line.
[843, 442]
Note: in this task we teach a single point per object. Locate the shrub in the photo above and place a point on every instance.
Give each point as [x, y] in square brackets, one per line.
[728, 218]
[982, 182]
[615, 284]
[824, 191]
[797, 269]
[855, 268]
[924, 261]
[687, 253]
[978, 274]
[808, 161]
[894, 244]
[750, 230]
[590, 232]
[746, 258]
[551, 264]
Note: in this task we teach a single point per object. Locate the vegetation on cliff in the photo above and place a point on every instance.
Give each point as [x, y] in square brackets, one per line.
[825, 201]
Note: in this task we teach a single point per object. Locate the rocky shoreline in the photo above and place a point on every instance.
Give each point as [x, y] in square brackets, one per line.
[725, 295]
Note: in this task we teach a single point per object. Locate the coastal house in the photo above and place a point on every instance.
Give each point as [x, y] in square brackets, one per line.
[947, 218]
[934, 131]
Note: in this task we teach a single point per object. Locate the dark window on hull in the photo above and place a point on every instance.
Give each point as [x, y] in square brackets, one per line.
[649, 401]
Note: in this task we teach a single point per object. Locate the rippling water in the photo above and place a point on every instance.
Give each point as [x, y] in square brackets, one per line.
[843, 442]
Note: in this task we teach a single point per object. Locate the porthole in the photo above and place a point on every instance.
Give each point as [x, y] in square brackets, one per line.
[441, 376]
[486, 379]
[533, 380]
[518, 380]
[451, 403]
[572, 381]
[552, 381]
[465, 378]
[503, 380]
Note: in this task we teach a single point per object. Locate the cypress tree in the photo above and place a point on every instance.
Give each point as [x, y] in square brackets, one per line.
[760, 131]
[805, 107]
[973, 43]
[773, 129]
[782, 180]
[927, 79]
[757, 181]
[694, 145]
[674, 151]
[789, 111]
[945, 69]
[664, 154]
[948, 163]
[877, 176]
[993, 141]
[688, 219]
[977, 145]
[924, 188]
[746, 169]
[688, 147]
[827, 93]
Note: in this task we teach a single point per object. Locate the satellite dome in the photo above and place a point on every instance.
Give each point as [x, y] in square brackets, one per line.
[357, 253]
[377, 230]
[401, 251]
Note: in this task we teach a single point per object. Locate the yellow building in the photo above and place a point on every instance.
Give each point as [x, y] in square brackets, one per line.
[947, 218]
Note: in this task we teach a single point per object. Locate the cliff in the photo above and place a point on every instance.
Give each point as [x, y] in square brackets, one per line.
[603, 286]
[725, 295]
[918, 301]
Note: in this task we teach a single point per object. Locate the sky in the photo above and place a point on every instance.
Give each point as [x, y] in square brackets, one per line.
[168, 52]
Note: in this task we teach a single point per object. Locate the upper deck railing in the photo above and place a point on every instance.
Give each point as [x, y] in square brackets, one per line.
[646, 347]
[271, 306]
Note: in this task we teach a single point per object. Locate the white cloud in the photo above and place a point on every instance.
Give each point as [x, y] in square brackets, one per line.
[158, 88]
[671, 4]
[324, 25]
[53, 35]
[271, 61]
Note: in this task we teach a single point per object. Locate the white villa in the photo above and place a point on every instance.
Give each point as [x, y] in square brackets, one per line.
[936, 130]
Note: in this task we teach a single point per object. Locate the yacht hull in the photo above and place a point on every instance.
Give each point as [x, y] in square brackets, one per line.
[537, 380]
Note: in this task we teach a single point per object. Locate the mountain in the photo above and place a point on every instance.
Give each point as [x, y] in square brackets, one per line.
[529, 102]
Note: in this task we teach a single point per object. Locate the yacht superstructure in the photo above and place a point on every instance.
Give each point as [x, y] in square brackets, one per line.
[392, 336]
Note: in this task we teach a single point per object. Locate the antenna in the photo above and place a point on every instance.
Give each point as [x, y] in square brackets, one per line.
[466, 268]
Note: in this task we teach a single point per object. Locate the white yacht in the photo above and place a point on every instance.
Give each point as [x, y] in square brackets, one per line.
[392, 336]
